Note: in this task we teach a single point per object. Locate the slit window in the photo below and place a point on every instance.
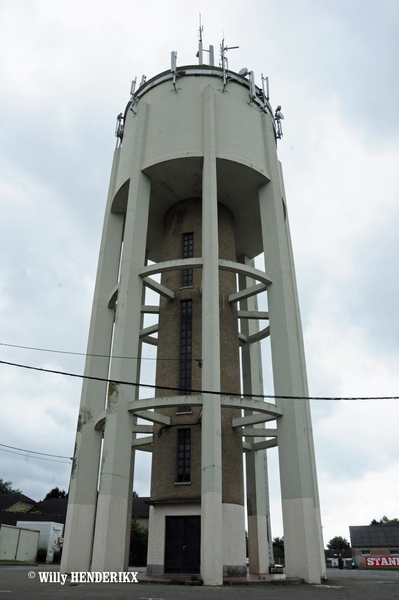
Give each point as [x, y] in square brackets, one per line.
[186, 333]
[183, 454]
[188, 252]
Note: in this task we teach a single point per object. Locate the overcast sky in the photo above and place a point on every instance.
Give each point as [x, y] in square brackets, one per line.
[65, 73]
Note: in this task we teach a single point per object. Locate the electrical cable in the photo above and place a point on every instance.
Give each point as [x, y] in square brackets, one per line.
[194, 391]
[34, 452]
[85, 353]
[36, 457]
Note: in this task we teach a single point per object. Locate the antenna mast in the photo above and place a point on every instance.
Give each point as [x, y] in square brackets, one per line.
[278, 115]
[200, 50]
[224, 62]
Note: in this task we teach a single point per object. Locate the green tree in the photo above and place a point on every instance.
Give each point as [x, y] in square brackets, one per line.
[278, 549]
[338, 543]
[55, 493]
[138, 545]
[385, 521]
[6, 488]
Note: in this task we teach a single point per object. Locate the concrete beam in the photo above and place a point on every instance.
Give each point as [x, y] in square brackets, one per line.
[242, 339]
[259, 335]
[260, 432]
[252, 420]
[144, 441]
[145, 448]
[171, 265]
[153, 416]
[264, 445]
[248, 292]
[163, 402]
[150, 340]
[100, 422]
[268, 411]
[251, 404]
[143, 429]
[253, 314]
[158, 288]
[246, 270]
[148, 331]
[113, 297]
[149, 309]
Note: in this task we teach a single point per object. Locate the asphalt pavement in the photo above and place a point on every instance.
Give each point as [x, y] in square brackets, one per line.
[26, 583]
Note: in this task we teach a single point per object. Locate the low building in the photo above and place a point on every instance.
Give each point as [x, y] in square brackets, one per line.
[375, 546]
[13, 502]
[52, 509]
[333, 556]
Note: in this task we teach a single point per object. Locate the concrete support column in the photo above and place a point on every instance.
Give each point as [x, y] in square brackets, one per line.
[114, 502]
[79, 528]
[260, 547]
[302, 534]
[136, 395]
[319, 528]
[211, 478]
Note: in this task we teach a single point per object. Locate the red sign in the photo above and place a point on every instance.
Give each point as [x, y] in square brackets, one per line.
[382, 561]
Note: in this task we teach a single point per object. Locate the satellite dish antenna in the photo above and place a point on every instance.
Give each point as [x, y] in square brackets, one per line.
[243, 72]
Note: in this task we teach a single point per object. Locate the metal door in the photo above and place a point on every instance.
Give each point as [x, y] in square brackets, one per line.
[182, 544]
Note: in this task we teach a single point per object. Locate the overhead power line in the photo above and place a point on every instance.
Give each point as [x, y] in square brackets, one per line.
[70, 353]
[194, 391]
[34, 452]
[63, 462]
[36, 455]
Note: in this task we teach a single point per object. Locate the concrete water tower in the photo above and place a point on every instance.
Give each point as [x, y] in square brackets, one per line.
[196, 193]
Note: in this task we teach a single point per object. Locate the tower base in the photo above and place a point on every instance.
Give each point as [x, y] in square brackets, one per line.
[174, 539]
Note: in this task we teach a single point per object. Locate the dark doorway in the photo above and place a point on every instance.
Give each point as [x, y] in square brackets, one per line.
[182, 544]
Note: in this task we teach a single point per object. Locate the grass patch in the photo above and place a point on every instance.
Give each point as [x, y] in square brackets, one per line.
[17, 562]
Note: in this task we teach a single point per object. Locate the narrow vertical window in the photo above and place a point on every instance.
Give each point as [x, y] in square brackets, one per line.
[188, 249]
[183, 454]
[186, 333]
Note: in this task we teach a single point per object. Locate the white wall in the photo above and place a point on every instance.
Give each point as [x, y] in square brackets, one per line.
[17, 543]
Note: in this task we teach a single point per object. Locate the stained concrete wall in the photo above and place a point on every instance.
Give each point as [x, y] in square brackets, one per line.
[17, 543]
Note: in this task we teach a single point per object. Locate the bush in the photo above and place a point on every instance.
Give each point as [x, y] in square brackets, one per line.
[138, 545]
[41, 555]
